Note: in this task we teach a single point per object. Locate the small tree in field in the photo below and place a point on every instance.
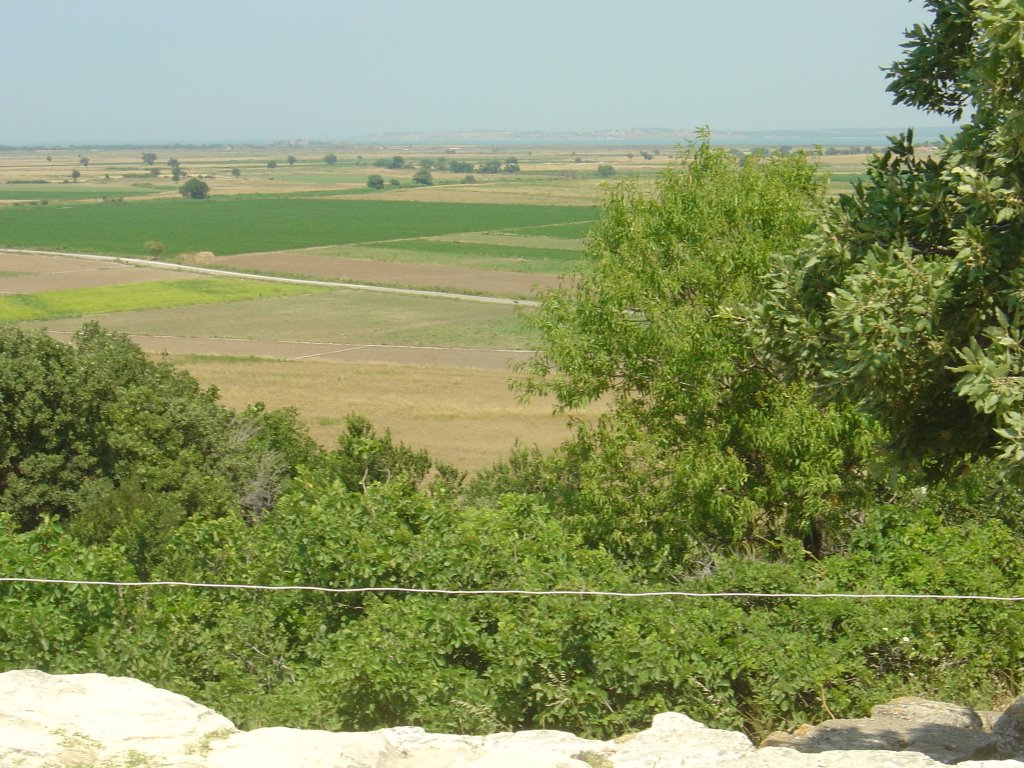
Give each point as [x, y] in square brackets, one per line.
[272, 164]
[423, 177]
[236, 172]
[330, 158]
[148, 158]
[197, 189]
[291, 159]
[605, 171]
[375, 181]
[75, 174]
[84, 161]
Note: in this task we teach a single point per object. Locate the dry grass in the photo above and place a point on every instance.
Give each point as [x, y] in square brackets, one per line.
[333, 317]
[466, 417]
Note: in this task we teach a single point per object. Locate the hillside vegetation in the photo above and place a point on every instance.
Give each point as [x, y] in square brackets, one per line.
[805, 395]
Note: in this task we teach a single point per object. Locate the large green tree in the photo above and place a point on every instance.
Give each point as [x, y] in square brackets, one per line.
[703, 448]
[907, 301]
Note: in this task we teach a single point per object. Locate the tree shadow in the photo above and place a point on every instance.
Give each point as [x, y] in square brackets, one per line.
[943, 743]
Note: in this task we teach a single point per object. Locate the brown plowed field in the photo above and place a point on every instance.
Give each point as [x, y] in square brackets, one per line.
[36, 272]
[427, 276]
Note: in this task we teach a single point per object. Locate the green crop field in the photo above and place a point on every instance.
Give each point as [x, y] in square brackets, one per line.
[78, 302]
[66, 192]
[512, 258]
[245, 224]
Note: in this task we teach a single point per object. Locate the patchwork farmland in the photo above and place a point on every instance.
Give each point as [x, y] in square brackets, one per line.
[433, 369]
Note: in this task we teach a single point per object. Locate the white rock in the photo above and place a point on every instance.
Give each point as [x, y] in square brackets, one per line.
[675, 740]
[294, 748]
[783, 757]
[91, 718]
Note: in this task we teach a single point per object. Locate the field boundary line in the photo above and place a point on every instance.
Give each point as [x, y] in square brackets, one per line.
[516, 592]
[129, 261]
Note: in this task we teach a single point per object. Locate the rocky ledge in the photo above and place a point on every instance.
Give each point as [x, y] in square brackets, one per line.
[95, 721]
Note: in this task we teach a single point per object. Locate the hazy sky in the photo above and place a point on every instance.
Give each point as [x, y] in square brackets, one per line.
[152, 71]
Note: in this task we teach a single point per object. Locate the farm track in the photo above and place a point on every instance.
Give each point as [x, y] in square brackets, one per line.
[145, 263]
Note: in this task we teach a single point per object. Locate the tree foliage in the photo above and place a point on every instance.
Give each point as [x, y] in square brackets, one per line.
[907, 300]
[394, 163]
[195, 188]
[702, 447]
[88, 426]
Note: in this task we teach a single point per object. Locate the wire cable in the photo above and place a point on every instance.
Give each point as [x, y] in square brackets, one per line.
[515, 592]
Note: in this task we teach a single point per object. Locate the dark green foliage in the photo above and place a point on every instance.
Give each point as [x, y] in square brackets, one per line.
[197, 189]
[394, 163]
[423, 177]
[176, 170]
[362, 458]
[94, 426]
[375, 181]
[907, 300]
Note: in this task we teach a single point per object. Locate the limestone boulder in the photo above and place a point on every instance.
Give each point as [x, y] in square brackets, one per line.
[87, 719]
[94, 721]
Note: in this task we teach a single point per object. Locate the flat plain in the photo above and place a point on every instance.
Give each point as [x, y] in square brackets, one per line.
[432, 369]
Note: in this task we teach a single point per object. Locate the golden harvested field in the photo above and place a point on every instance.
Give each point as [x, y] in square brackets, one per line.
[467, 417]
